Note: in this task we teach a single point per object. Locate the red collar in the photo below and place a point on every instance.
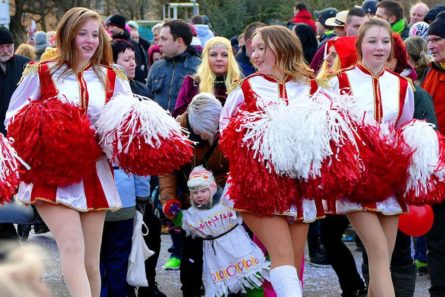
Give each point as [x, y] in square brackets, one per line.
[366, 70]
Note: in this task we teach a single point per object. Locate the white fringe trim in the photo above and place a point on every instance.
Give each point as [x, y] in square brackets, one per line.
[422, 138]
[9, 159]
[295, 137]
[156, 122]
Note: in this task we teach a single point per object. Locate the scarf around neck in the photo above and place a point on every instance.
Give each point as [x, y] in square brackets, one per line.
[398, 26]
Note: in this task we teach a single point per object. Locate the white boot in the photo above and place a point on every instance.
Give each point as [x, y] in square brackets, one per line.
[285, 281]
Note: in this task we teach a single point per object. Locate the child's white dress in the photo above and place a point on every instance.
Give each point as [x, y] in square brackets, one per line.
[232, 261]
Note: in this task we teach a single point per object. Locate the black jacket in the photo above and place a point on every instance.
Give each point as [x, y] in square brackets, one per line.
[8, 84]
[244, 63]
[138, 88]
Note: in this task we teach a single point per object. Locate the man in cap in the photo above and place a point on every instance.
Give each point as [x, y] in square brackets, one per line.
[433, 12]
[434, 84]
[369, 7]
[392, 12]
[338, 23]
[351, 23]
[325, 32]
[116, 27]
[134, 34]
[11, 69]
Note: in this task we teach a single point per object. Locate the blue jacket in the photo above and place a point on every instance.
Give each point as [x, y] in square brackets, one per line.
[130, 187]
[166, 76]
[244, 63]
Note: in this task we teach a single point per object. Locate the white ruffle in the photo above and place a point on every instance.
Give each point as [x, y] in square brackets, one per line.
[74, 196]
[389, 206]
[309, 208]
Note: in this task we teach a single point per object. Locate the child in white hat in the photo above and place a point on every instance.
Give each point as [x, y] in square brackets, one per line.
[233, 263]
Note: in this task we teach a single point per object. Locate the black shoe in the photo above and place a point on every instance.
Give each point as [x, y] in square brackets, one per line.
[319, 259]
[152, 291]
[355, 293]
[40, 229]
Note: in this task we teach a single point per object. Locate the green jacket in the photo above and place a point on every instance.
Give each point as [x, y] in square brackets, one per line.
[424, 106]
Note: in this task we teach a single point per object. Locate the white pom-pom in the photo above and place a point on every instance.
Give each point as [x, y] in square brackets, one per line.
[422, 138]
[296, 137]
[141, 137]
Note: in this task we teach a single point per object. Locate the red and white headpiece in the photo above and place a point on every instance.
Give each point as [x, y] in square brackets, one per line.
[201, 178]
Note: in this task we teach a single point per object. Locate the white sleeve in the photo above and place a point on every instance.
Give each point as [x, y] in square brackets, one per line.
[235, 98]
[28, 89]
[408, 107]
[333, 87]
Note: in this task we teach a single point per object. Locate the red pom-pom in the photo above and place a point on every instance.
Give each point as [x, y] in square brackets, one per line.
[339, 175]
[9, 175]
[140, 158]
[434, 193]
[55, 138]
[385, 160]
[252, 186]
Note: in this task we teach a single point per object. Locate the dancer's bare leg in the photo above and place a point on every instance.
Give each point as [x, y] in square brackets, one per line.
[298, 234]
[65, 225]
[378, 236]
[274, 233]
[93, 225]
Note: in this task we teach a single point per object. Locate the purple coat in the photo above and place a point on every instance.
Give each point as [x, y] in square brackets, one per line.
[190, 88]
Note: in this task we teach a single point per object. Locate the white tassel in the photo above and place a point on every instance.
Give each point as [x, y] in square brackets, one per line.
[156, 122]
[296, 138]
[422, 138]
[9, 169]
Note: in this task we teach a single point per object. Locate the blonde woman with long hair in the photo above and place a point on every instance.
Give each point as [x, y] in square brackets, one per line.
[217, 72]
[340, 54]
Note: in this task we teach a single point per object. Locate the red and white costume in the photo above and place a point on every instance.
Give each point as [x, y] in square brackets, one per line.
[268, 90]
[97, 191]
[386, 97]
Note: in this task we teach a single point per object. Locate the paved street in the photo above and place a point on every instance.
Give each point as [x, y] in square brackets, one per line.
[318, 282]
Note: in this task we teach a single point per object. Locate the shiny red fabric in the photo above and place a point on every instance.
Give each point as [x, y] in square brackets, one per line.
[252, 186]
[55, 138]
[140, 158]
[385, 160]
[9, 180]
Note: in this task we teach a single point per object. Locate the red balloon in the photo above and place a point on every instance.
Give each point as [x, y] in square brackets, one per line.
[418, 221]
